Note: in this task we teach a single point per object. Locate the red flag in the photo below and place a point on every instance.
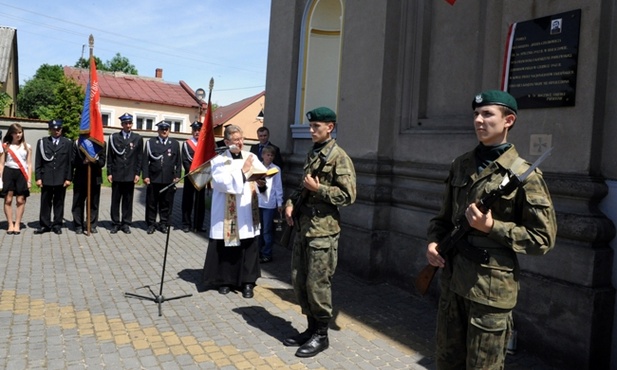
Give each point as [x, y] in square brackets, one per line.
[451, 2]
[91, 138]
[200, 168]
[96, 119]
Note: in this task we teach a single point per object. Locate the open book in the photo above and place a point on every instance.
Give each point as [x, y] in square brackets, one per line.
[260, 174]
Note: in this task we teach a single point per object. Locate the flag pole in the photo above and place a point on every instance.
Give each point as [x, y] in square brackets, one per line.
[89, 196]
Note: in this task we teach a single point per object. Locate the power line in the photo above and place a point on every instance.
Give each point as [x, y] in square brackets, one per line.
[186, 56]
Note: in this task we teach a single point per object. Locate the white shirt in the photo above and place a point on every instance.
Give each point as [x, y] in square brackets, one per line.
[227, 178]
[273, 196]
[21, 153]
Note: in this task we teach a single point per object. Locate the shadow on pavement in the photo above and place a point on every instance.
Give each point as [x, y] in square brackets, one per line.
[268, 323]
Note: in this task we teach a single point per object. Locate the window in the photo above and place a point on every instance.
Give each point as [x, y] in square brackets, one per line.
[106, 118]
[144, 123]
[321, 60]
[175, 124]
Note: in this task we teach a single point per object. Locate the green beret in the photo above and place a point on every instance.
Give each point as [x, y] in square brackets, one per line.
[321, 114]
[495, 97]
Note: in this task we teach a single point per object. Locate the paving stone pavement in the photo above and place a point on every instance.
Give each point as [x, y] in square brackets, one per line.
[63, 306]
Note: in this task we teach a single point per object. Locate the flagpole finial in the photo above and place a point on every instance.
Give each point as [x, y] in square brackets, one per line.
[211, 83]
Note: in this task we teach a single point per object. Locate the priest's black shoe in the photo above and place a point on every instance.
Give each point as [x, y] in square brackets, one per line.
[114, 229]
[42, 230]
[79, 230]
[224, 289]
[151, 229]
[318, 342]
[247, 291]
[126, 229]
[57, 230]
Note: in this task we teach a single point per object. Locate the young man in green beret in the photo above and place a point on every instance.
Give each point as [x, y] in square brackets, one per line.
[474, 320]
[329, 182]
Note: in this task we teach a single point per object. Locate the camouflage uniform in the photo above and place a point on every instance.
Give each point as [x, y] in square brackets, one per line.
[314, 255]
[475, 307]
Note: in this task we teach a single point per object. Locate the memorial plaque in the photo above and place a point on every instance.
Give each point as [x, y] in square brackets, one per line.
[542, 59]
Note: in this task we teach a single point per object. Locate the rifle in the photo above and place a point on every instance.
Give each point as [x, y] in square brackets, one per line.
[300, 201]
[455, 240]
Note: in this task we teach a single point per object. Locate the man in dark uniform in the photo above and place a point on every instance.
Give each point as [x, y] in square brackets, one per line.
[80, 188]
[263, 134]
[162, 165]
[124, 159]
[191, 197]
[53, 174]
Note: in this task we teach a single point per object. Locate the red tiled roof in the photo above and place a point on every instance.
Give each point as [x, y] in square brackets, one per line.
[121, 86]
[223, 114]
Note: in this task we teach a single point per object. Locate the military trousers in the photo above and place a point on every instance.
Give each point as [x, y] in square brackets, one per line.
[313, 263]
[471, 335]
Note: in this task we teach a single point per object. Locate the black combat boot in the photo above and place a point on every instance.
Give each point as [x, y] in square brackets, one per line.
[301, 338]
[317, 343]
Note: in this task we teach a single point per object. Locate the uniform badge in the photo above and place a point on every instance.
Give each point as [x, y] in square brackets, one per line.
[478, 98]
[169, 152]
[131, 145]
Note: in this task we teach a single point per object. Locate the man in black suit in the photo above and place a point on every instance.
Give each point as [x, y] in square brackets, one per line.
[124, 160]
[161, 166]
[53, 174]
[192, 199]
[263, 134]
[80, 188]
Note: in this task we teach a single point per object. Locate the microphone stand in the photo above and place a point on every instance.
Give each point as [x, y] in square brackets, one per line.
[159, 298]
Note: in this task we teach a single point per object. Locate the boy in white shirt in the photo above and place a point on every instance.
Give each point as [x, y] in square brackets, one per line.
[270, 201]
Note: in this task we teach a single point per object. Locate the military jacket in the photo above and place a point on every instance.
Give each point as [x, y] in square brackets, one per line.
[124, 156]
[53, 162]
[162, 162]
[524, 222]
[337, 188]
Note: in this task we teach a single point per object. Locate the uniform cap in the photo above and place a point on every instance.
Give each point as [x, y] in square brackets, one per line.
[126, 117]
[495, 97]
[55, 123]
[163, 124]
[321, 114]
[196, 125]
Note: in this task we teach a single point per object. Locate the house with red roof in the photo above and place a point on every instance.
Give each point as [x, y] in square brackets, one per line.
[246, 113]
[149, 99]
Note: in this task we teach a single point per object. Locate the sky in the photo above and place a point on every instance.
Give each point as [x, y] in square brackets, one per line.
[192, 41]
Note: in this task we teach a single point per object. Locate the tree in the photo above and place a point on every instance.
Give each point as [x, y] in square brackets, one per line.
[85, 63]
[68, 106]
[116, 64]
[122, 64]
[5, 100]
[39, 91]
[49, 95]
